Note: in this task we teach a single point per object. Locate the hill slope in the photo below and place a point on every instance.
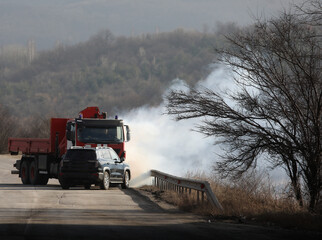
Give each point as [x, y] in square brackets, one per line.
[114, 73]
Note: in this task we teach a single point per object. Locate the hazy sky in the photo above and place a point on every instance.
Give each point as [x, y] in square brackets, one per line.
[70, 21]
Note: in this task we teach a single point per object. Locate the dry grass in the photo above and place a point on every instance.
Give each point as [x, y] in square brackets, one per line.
[251, 199]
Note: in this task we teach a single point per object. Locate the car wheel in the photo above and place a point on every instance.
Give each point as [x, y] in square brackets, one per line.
[24, 172]
[44, 179]
[87, 186]
[64, 185]
[126, 180]
[106, 181]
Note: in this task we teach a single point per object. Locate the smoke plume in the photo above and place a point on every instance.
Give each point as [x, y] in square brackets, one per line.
[159, 142]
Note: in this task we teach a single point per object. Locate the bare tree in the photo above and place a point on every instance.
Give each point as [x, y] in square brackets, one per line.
[277, 109]
[34, 127]
[6, 128]
[311, 11]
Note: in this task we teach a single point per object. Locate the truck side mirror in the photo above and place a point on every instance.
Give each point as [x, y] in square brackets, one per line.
[122, 157]
[118, 160]
[70, 132]
[128, 133]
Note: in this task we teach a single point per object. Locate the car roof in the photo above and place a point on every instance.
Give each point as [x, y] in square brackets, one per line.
[88, 148]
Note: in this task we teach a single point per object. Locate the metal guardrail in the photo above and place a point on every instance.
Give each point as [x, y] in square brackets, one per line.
[182, 185]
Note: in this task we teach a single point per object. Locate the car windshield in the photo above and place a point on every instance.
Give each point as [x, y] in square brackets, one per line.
[80, 154]
[87, 134]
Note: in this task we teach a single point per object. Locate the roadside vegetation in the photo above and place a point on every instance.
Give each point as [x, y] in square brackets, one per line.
[275, 113]
[252, 199]
[37, 126]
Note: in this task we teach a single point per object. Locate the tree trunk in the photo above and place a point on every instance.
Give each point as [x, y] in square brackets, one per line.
[297, 190]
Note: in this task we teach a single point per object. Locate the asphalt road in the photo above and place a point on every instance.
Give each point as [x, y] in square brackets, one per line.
[48, 212]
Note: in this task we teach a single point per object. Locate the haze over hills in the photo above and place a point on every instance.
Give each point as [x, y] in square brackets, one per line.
[115, 73]
[69, 63]
[71, 21]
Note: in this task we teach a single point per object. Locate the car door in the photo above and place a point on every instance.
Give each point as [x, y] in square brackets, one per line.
[119, 166]
[110, 163]
[101, 158]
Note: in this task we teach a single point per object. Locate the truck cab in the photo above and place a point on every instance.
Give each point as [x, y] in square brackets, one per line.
[98, 132]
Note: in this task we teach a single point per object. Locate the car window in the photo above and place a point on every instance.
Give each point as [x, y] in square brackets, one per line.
[114, 155]
[106, 155]
[99, 154]
[80, 155]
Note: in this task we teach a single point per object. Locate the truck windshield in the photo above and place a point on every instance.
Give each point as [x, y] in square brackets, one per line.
[112, 134]
[80, 155]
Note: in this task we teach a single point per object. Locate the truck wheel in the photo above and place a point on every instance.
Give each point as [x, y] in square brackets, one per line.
[106, 181]
[24, 172]
[34, 175]
[126, 180]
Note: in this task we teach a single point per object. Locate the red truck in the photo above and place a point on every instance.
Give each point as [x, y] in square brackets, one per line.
[41, 157]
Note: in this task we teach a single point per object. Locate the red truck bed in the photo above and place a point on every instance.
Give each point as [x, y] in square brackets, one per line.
[37, 145]
[29, 145]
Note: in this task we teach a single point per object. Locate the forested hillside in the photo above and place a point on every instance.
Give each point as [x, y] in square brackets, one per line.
[115, 73]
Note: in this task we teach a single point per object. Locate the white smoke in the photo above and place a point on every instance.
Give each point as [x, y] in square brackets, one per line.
[159, 142]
